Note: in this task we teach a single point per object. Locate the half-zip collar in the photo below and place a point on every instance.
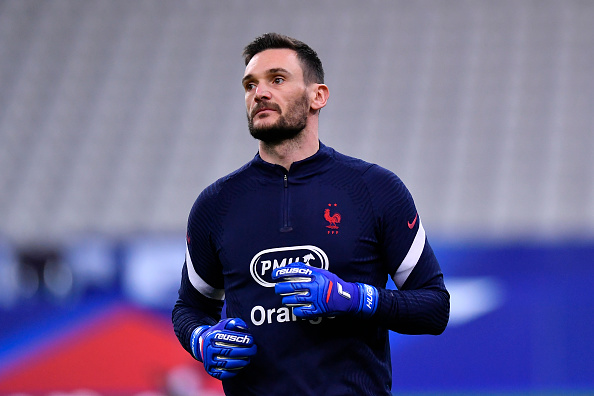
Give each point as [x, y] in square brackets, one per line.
[299, 173]
[303, 169]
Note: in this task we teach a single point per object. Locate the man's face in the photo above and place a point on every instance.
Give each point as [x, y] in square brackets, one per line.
[276, 97]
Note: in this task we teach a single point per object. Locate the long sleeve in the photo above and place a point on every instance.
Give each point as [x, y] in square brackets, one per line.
[191, 310]
[421, 304]
[201, 293]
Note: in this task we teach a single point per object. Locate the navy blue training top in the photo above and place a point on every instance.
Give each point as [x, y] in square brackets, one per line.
[353, 218]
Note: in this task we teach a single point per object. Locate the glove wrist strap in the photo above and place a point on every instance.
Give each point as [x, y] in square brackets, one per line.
[195, 341]
[368, 298]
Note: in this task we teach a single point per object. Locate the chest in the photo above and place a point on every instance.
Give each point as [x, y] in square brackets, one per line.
[321, 223]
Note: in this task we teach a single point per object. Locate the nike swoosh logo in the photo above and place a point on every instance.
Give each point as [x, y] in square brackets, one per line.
[411, 225]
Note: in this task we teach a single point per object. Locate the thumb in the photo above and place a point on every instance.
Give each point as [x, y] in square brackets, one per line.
[236, 324]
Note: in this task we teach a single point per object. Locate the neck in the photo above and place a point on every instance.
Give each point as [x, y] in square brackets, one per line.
[285, 153]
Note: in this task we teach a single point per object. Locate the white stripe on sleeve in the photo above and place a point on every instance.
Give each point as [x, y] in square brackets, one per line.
[412, 257]
[199, 283]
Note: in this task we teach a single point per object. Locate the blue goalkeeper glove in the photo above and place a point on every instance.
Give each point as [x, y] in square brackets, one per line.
[315, 292]
[224, 348]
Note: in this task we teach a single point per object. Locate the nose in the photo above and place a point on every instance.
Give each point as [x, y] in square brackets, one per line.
[262, 92]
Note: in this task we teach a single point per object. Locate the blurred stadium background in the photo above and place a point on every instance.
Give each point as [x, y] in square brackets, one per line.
[115, 114]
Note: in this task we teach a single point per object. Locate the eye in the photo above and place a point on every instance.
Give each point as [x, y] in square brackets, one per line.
[249, 86]
[278, 80]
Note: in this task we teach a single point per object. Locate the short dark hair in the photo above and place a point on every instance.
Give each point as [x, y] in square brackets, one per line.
[310, 62]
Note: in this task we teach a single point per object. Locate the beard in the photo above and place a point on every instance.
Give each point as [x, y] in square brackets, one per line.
[287, 126]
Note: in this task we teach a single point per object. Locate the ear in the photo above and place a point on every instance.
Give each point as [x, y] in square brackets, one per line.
[320, 95]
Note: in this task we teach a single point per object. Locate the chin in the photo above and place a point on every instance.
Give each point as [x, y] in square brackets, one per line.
[265, 121]
[275, 135]
[260, 125]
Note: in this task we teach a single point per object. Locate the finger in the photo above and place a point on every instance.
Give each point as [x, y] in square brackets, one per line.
[222, 374]
[229, 364]
[289, 288]
[296, 301]
[235, 353]
[294, 279]
[307, 311]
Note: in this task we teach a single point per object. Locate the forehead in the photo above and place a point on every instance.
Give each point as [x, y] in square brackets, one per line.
[271, 59]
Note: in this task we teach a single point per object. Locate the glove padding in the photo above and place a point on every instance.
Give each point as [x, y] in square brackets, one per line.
[224, 348]
[315, 292]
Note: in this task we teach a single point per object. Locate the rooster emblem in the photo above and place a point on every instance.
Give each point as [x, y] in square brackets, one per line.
[332, 219]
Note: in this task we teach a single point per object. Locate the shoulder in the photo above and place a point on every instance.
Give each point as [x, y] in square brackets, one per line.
[343, 160]
[387, 193]
[373, 175]
[212, 196]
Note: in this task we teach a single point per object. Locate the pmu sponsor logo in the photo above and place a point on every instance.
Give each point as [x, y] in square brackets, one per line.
[267, 260]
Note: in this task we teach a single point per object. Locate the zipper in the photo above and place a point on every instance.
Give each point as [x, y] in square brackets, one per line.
[286, 227]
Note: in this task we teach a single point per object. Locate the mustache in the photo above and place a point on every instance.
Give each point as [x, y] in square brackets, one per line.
[265, 105]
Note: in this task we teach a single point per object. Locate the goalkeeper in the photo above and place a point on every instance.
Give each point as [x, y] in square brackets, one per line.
[297, 246]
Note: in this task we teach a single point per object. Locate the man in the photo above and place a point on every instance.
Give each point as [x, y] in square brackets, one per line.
[299, 244]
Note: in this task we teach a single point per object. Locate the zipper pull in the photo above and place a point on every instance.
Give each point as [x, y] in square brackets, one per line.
[286, 180]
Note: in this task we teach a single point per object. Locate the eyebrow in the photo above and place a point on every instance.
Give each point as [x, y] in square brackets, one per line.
[274, 70]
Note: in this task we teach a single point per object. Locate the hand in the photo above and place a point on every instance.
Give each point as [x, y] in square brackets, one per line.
[314, 292]
[224, 348]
